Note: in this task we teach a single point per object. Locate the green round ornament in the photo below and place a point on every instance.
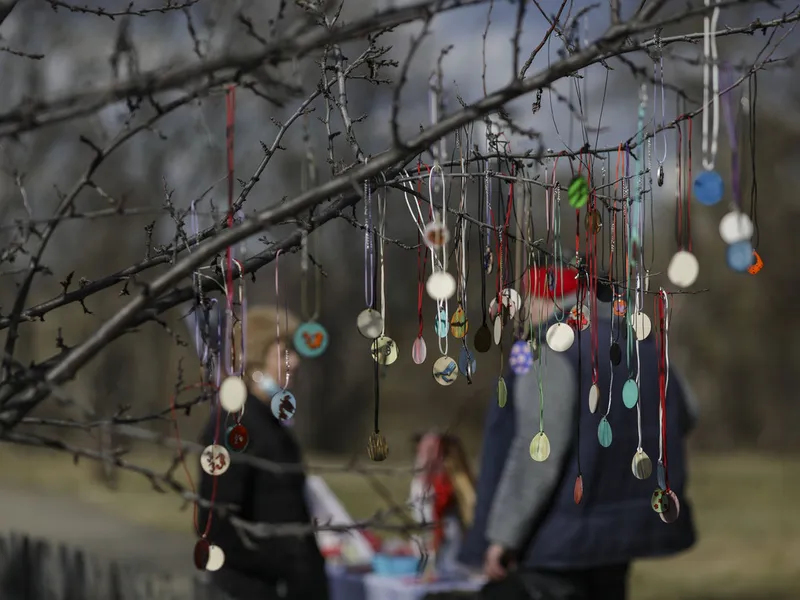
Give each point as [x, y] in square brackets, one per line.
[578, 192]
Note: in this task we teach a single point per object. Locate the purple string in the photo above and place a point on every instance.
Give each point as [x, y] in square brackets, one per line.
[727, 81]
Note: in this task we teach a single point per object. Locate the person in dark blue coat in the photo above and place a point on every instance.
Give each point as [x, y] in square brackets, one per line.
[533, 540]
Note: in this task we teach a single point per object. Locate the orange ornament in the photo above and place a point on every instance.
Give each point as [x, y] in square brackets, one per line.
[757, 265]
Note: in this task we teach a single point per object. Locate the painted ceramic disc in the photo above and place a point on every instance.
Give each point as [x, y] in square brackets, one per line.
[215, 460]
[237, 438]
[708, 188]
[673, 510]
[560, 337]
[445, 370]
[436, 234]
[594, 398]
[483, 339]
[441, 285]
[283, 405]
[201, 554]
[577, 491]
[311, 339]
[659, 501]
[540, 447]
[521, 358]
[370, 323]
[419, 351]
[497, 333]
[735, 227]
[615, 354]
[683, 269]
[620, 307]
[384, 350]
[216, 558]
[440, 325]
[630, 393]
[233, 394]
[604, 435]
[467, 365]
[641, 465]
[579, 318]
[641, 325]
[502, 392]
[459, 325]
[740, 256]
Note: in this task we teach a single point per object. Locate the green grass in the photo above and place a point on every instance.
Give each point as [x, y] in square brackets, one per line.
[749, 529]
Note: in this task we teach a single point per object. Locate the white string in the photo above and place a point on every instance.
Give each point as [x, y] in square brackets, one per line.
[278, 323]
[442, 305]
[437, 170]
[710, 72]
[381, 258]
[638, 309]
[418, 218]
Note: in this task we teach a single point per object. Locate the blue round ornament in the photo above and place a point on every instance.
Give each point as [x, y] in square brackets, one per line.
[630, 393]
[311, 339]
[708, 188]
[521, 358]
[740, 256]
[466, 359]
[283, 405]
[442, 324]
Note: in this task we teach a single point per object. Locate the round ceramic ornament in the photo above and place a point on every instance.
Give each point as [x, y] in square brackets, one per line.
[311, 339]
[673, 509]
[237, 438]
[578, 192]
[459, 325]
[502, 392]
[370, 323]
[445, 370]
[467, 365]
[641, 465]
[384, 350]
[661, 475]
[483, 339]
[521, 358]
[216, 558]
[604, 433]
[540, 447]
[233, 394]
[497, 333]
[577, 491]
[283, 405]
[511, 303]
[740, 256]
[215, 460]
[419, 351]
[641, 325]
[615, 354]
[594, 398]
[630, 393]
[683, 269]
[436, 234]
[440, 324]
[560, 337]
[201, 554]
[440, 285]
[578, 318]
[735, 227]
[659, 501]
[620, 307]
[708, 188]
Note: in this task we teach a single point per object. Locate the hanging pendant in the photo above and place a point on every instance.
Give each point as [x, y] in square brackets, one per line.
[660, 176]
[440, 324]
[311, 339]
[540, 447]
[604, 292]
[577, 491]
[757, 265]
[283, 405]
[579, 318]
[578, 192]
[521, 359]
[661, 475]
[419, 351]
[659, 501]
[708, 188]
[509, 305]
[683, 269]
[483, 339]
[735, 227]
[740, 256]
[233, 394]
[488, 262]
[673, 508]
[377, 447]
[615, 354]
[630, 393]
[237, 438]
[560, 337]
[445, 370]
[459, 324]
[201, 554]
[620, 307]
[384, 350]
[436, 234]
[641, 465]
[216, 558]
[466, 362]
[604, 433]
[641, 325]
[370, 323]
[498, 329]
[594, 398]
[592, 221]
[215, 460]
[502, 392]
[441, 285]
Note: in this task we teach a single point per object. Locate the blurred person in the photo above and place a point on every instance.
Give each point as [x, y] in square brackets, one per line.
[288, 566]
[529, 535]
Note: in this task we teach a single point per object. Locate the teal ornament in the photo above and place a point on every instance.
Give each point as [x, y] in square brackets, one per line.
[708, 188]
[466, 362]
[630, 393]
[442, 324]
[740, 256]
[661, 475]
[604, 433]
[283, 405]
[311, 339]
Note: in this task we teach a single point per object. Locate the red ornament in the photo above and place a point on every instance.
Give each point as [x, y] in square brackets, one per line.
[237, 438]
[201, 554]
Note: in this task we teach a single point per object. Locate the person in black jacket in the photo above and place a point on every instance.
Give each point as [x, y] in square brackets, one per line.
[282, 566]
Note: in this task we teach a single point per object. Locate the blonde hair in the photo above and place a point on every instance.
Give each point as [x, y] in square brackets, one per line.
[262, 332]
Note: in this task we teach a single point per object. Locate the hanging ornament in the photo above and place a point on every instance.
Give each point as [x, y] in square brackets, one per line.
[641, 325]
[615, 354]
[735, 227]
[502, 392]
[757, 265]
[683, 269]
[440, 285]
[419, 351]
[384, 350]
[560, 337]
[577, 491]
[578, 192]
[521, 359]
[604, 435]
[233, 394]
[445, 370]
[466, 362]
[740, 256]
[237, 438]
[673, 508]
[540, 447]
[377, 447]
[440, 325]
[641, 465]
[283, 405]
[659, 501]
[630, 393]
[310, 339]
[483, 339]
[369, 322]
[579, 318]
[216, 558]
[215, 460]
[436, 234]
[594, 397]
[459, 324]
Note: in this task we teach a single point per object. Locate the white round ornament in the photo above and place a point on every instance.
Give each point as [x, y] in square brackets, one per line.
[436, 234]
[233, 394]
[735, 227]
[594, 398]
[498, 330]
[440, 285]
[216, 558]
[560, 337]
[641, 325]
[683, 269]
[370, 323]
[215, 460]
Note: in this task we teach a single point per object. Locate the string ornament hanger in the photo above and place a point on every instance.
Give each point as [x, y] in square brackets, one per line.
[384, 349]
[441, 285]
[369, 321]
[282, 403]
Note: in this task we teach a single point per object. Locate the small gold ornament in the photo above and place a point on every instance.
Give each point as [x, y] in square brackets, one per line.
[377, 448]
